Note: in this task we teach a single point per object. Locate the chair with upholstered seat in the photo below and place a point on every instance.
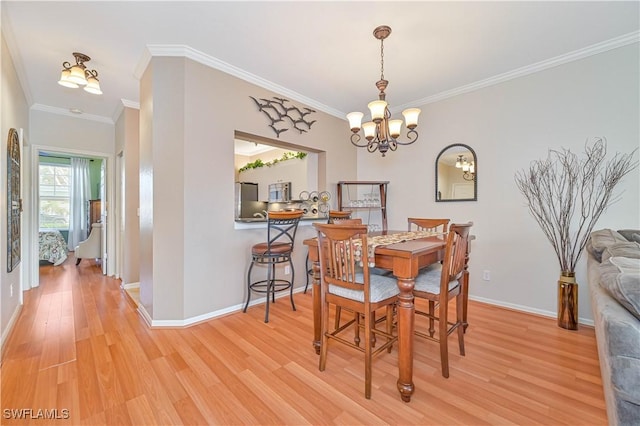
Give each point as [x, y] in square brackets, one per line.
[424, 224]
[90, 248]
[433, 225]
[333, 217]
[342, 248]
[278, 249]
[439, 283]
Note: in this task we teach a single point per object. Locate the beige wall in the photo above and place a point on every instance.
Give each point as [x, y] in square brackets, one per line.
[162, 206]
[509, 125]
[194, 261]
[65, 132]
[127, 143]
[146, 191]
[14, 114]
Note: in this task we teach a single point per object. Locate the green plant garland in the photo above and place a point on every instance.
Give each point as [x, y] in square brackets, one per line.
[259, 163]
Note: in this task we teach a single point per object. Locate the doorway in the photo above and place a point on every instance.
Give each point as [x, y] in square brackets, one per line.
[100, 189]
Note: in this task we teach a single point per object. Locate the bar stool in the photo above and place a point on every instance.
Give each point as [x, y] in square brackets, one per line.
[281, 233]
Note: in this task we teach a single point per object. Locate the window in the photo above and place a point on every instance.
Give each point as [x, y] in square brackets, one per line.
[55, 190]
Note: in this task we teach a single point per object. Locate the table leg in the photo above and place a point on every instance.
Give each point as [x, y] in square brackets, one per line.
[465, 286]
[317, 305]
[406, 311]
[465, 299]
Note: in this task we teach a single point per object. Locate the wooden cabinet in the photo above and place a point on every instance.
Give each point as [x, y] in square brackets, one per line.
[94, 213]
[366, 200]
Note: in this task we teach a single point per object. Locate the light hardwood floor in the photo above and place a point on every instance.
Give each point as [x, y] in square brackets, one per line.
[80, 345]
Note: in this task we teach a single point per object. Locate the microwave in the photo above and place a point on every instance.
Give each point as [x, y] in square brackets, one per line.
[279, 192]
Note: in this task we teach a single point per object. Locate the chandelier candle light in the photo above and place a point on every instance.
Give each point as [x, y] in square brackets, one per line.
[468, 168]
[382, 132]
[78, 75]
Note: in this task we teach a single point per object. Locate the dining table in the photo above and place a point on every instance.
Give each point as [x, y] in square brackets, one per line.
[404, 259]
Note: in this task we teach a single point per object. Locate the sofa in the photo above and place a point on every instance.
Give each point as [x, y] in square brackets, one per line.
[614, 284]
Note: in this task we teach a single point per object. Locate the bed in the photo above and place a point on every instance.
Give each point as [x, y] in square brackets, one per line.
[53, 247]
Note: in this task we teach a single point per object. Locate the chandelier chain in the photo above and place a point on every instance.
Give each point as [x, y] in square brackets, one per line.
[382, 59]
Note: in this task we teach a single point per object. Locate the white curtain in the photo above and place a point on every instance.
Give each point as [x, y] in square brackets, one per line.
[80, 196]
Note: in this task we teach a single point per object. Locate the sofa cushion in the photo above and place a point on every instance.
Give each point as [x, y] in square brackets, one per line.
[601, 239]
[630, 234]
[627, 249]
[627, 265]
[620, 276]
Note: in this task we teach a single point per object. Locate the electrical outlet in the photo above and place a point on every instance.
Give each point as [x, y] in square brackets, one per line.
[486, 275]
[287, 270]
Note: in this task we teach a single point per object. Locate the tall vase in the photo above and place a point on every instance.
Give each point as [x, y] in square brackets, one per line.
[568, 301]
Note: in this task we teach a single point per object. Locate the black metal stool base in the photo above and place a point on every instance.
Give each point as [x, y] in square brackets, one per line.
[270, 286]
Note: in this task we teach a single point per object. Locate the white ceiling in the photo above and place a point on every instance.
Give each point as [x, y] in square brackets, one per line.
[321, 53]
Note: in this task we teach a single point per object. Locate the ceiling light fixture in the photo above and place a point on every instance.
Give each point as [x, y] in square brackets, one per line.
[468, 168]
[78, 75]
[382, 132]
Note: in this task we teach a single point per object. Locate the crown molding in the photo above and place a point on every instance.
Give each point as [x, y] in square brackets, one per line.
[124, 103]
[576, 55]
[66, 112]
[173, 50]
[130, 104]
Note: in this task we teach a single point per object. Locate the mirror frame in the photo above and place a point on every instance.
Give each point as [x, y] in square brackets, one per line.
[475, 180]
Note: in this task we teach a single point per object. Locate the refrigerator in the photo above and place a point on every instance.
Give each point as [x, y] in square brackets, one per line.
[246, 200]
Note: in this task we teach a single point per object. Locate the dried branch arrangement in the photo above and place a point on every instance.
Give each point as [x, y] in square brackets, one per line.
[567, 195]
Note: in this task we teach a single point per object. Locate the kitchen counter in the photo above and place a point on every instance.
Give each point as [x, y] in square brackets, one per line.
[256, 222]
[258, 219]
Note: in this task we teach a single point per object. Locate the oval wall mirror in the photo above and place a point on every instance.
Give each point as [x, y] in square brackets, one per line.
[457, 174]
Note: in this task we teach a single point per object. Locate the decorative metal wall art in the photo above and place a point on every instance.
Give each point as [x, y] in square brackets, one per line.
[14, 203]
[277, 111]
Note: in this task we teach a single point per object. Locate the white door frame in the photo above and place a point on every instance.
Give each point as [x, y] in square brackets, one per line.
[33, 217]
[117, 215]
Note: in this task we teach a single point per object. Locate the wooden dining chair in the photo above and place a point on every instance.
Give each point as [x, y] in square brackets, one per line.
[281, 234]
[333, 217]
[344, 283]
[433, 225]
[439, 283]
[424, 224]
[347, 222]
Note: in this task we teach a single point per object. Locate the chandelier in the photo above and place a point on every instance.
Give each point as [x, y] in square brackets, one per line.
[381, 132]
[468, 168]
[78, 75]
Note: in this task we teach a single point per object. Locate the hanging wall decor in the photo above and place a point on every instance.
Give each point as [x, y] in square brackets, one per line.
[280, 114]
[14, 203]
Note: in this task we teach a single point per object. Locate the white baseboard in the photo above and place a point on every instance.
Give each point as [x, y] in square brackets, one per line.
[130, 285]
[9, 328]
[204, 317]
[528, 309]
[145, 315]
[236, 308]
